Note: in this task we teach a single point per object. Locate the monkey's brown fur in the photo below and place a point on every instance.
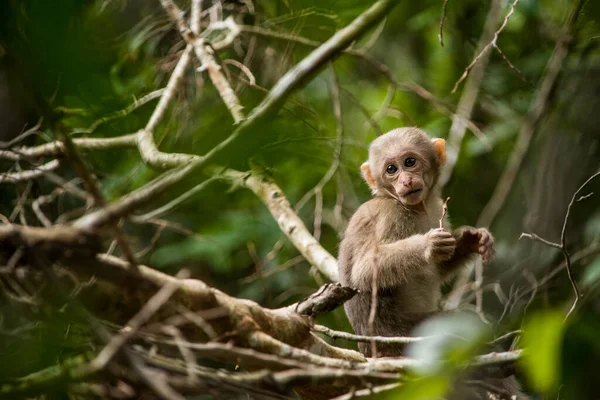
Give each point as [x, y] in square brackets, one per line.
[397, 233]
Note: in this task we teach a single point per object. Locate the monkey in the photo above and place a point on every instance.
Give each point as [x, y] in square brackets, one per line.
[397, 232]
[396, 237]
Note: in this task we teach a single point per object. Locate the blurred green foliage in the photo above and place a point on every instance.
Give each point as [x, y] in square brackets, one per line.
[543, 334]
[92, 58]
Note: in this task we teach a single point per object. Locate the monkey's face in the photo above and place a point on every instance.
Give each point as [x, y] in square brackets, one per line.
[403, 164]
[404, 178]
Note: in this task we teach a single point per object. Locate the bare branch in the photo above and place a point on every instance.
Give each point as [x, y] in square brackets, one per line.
[143, 315]
[327, 298]
[176, 201]
[442, 19]
[366, 339]
[196, 18]
[33, 130]
[121, 113]
[447, 111]
[56, 238]
[289, 330]
[204, 53]
[289, 222]
[399, 364]
[487, 47]
[337, 152]
[511, 66]
[92, 186]
[130, 202]
[23, 176]
[533, 236]
[57, 148]
[169, 91]
[367, 392]
[444, 211]
[563, 243]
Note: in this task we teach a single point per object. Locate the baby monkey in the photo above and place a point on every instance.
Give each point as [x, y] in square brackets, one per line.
[396, 236]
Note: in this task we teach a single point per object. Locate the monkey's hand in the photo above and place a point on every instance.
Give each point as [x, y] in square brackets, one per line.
[480, 241]
[439, 245]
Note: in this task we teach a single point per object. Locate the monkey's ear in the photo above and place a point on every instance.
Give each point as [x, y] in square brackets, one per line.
[439, 145]
[366, 173]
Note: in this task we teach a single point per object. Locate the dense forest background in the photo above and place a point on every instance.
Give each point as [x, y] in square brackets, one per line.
[513, 87]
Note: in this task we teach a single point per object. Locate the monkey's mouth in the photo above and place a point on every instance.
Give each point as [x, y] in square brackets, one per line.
[412, 192]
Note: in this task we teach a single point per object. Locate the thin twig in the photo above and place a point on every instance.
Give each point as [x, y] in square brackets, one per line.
[511, 66]
[187, 355]
[317, 191]
[444, 212]
[121, 113]
[265, 273]
[507, 335]
[374, 37]
[373, 308]
[368, 339]
[535, 237]
[139, 319]
[458, 116]
[534, 284]
[492, 390]
[168, 92]
[33, 130]
[205, 54]
[28, 175]
[367, 392]
[563, 243]
[289, 221]
[486, 48]
[442, 19]
[470, 94]
[245, 70]
[176, 201]
[93, 187]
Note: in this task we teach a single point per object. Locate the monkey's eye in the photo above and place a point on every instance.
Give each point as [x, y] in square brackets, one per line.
[410, 161]
[391, 169]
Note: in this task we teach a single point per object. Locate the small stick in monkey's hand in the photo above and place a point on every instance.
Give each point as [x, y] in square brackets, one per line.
[444, 211]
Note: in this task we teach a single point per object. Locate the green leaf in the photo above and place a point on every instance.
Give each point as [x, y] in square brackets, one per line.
[542, 339]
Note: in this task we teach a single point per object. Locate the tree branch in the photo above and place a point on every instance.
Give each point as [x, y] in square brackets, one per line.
[289, 222]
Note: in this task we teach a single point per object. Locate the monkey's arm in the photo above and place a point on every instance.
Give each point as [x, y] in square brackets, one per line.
[393, 263]
[469, 243]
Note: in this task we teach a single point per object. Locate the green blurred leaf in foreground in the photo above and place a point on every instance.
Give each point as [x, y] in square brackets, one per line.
[543, 337]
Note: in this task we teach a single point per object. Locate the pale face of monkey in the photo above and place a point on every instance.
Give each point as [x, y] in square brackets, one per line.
[405, 176]
[403, 164]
